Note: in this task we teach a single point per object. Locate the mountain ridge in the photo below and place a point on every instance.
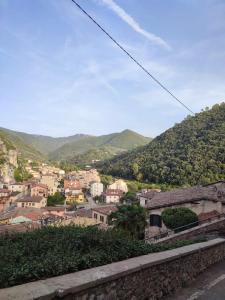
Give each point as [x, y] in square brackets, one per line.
[191, 152]
[63, 148]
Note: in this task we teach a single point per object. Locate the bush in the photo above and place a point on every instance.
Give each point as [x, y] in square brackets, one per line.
[174, 218]
[53, 251]
[56, 199]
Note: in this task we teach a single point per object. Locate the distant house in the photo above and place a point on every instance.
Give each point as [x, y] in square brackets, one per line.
[32, 201]
[96, 189]
[17, 187]
[101, 214]
[4, 193]
[85, 177]
[4, 203]
[119, 185]
[113, 195]
[39, 189]
[51, 181]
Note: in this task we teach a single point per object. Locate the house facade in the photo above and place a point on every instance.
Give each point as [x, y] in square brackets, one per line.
[119, 185]
[39, 189]
[96, 189]
[203, 200]
[113, 195]
[32, 201]
[101, 214]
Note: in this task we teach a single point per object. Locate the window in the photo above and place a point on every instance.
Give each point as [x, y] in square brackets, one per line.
[101, 218]
[155, 220]
[95, 216]
[32, 204]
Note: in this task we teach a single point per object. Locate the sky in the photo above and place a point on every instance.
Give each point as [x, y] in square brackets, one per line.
[60, 75]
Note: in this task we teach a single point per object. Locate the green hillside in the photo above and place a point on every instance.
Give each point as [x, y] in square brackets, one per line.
[12, 141]
[123, 141]
[43, 144]
[192, 152]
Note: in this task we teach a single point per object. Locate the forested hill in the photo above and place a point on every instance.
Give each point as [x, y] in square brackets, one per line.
[192, 152]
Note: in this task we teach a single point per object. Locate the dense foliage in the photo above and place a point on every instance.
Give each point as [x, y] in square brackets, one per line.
[131, 219]
[192, 152]
[56, 199]
[53, 251]
[184, 217]
[21, 174]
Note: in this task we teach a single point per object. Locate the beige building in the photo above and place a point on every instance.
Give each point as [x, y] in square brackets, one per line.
[17, 187]
[29, 201]
[51, 182]
[39, 189]
[203, 200]
[119, 185]
[102, 213]
[85, 177]
[96, 189]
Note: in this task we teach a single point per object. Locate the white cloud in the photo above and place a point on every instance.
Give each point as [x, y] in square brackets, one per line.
[120, 12]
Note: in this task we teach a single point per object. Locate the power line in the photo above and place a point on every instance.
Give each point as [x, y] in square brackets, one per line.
[131, 57]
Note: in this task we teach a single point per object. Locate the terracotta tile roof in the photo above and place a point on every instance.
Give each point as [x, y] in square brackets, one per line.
[18, 228]
[36, 199]
[113, 192]
[42, 185]
[149, 194]
[185, 195]
[105, 210]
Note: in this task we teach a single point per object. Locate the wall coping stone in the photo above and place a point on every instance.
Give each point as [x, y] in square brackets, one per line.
[184, 232]
[76, 282]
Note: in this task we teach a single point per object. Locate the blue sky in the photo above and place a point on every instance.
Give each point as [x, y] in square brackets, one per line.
[60, 75]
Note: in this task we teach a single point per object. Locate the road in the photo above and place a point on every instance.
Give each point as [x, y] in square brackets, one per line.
[88, 205]
[210, 285]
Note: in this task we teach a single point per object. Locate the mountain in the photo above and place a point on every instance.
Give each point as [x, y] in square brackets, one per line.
[12, 141]
[190, 153]
[41, 147]
[42, 143]
[115, 142]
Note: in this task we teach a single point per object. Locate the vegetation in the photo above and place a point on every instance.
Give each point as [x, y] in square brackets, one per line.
[56, 199]
[115, 142]
[190, 153]
[21, 174]
[131, 219]
[13, 141]
[178, 217]
[53, 251]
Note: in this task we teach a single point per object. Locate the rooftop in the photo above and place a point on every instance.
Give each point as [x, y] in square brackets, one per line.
[105, 210]
[185, 195]
[36, 199]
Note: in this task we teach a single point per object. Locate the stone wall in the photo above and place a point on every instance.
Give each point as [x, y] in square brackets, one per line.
[145, 277]
[201, 230]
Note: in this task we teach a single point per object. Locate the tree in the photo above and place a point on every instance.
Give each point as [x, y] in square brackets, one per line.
[129, 197]
[177, 217]
[56, 199]
[131, 219]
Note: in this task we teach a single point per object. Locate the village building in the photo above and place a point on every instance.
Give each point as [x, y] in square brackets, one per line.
[32, 201]
[119, 185]
[17, 187]
[203, 200]
[113, 195]
[51, 181]
[4, 203]
[73, 191]
[146, 195]
[96, 189]
[39, 189]
[4, 193]
[102, 213]
[85, 177]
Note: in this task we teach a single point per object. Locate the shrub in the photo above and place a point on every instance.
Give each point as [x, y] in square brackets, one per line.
[174, 218]
[53, 251]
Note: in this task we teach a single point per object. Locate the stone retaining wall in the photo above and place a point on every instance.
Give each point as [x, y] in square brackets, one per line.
[201, 230]
[145, 277]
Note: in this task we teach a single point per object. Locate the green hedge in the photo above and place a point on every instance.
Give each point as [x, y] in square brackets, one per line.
[53, 251]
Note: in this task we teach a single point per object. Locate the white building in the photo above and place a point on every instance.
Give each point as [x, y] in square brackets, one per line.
[119, 185]
[96, 189]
